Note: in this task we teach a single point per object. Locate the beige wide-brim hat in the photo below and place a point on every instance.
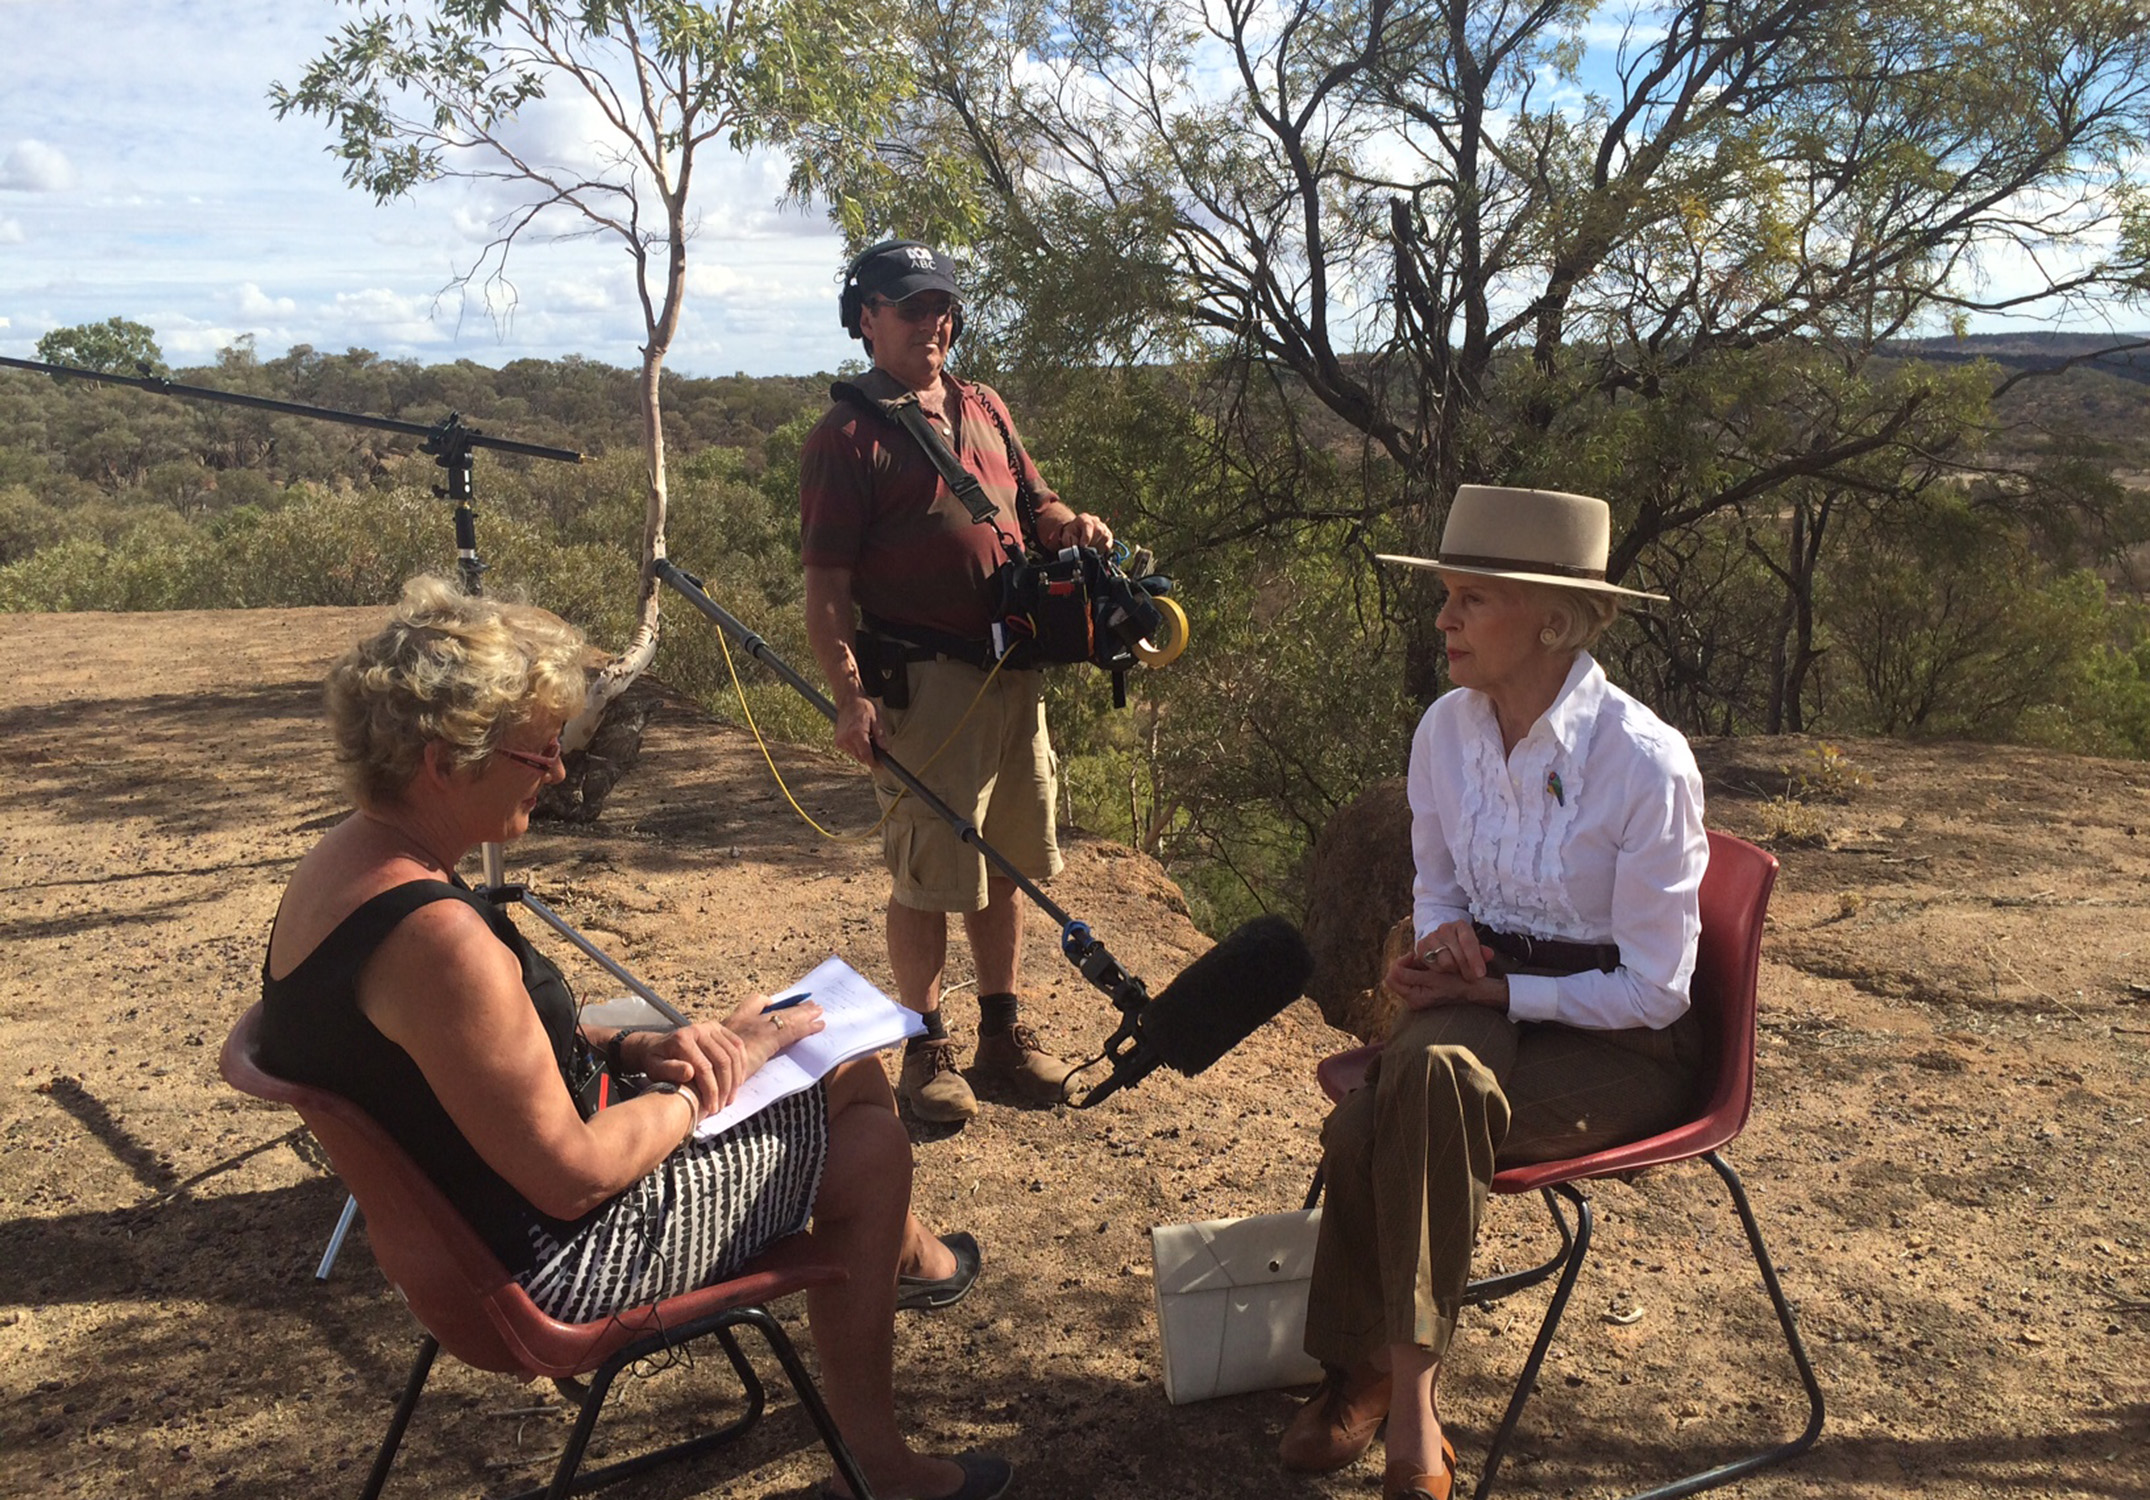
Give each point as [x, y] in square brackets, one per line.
[1532, 536]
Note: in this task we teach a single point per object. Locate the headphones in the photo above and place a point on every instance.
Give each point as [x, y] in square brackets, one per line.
[851, 305]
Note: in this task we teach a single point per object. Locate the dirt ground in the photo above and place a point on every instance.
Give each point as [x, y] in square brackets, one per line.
[1947, 1149]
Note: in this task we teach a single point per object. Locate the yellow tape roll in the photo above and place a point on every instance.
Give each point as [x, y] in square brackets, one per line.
[1171, 638]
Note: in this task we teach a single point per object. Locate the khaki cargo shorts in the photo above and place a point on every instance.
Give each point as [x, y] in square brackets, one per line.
[999, 771]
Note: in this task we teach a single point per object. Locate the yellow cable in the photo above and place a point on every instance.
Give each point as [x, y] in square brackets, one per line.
[740, 690]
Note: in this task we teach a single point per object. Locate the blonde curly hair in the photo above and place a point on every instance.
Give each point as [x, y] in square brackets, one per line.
[451, 669]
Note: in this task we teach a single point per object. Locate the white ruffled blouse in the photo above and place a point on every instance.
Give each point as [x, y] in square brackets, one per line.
[1590, 831]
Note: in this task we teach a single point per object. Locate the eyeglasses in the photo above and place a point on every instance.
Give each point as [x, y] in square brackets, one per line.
[911, 310]
[547, 760]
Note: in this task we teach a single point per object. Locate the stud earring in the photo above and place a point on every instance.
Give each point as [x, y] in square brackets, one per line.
[1548, 636]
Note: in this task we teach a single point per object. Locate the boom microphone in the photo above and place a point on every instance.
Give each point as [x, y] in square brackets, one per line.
[1217, 1002]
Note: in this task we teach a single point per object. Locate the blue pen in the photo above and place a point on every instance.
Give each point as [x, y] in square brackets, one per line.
[787, 1002]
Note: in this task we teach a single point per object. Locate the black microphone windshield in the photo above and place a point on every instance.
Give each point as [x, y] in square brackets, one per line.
[1223, 997]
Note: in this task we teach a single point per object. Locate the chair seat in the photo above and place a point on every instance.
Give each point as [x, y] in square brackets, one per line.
[1341, 1072]
[543, 1345]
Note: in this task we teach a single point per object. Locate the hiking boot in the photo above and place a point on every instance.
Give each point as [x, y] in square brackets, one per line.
[1012, 1063]
[932, 1085]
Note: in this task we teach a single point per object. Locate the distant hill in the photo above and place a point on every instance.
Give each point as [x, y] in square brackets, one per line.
[2033, 351]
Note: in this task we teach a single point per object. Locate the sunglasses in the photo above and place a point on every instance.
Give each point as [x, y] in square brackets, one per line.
[546, 761]
[911, 310]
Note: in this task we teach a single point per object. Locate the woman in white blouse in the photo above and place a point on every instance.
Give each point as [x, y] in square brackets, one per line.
[1557, 828]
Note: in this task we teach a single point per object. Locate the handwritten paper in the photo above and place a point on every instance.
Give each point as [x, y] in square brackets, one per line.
[856, 1019]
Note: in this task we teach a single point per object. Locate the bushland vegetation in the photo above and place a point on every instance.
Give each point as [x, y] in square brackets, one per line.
[1688, 255]
[2003, 604]
[1998, 598]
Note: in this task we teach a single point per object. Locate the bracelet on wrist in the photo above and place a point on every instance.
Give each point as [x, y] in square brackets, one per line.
[614, 1047]
[694, 1104]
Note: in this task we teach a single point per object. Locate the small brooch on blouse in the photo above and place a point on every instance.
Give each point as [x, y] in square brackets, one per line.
[1552, 784]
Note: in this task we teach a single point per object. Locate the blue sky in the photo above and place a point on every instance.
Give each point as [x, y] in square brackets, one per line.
[143, 174]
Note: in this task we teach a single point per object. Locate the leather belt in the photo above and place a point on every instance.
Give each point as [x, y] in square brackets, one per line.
[919, 643]
[1549, 955]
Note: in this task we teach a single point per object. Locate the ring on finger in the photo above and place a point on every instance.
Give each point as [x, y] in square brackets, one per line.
[777, 1022]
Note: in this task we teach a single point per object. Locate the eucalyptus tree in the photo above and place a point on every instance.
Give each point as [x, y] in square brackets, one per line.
[417, 92]
[1651, 249]
[117, 346]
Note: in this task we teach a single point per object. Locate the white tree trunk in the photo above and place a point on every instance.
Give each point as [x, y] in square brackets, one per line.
[620, 673]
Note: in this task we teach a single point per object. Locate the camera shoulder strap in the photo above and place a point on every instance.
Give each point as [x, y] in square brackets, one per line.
[906, 412]
[1026, 504]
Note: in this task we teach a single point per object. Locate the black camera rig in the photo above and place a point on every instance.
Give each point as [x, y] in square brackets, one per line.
[1079, 606]
[1073, 605]
[452, 444]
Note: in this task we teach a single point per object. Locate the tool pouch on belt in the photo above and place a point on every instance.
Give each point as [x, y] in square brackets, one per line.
[1051, 598]
[883, 673]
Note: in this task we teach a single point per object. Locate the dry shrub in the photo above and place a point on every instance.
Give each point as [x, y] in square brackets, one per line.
[1787, 820]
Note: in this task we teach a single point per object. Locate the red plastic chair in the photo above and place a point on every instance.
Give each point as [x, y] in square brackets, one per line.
[1735, 895]
[468, 1303]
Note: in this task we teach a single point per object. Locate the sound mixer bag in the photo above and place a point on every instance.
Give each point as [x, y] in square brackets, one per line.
[1231, 1304]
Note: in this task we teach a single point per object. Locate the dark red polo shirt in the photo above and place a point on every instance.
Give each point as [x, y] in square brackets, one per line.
[870, 500]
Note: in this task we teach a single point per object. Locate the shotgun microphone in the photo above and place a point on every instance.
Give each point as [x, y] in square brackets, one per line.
[1217, 1002]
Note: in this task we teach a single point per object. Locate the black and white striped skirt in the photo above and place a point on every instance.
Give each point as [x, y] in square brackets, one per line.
[705, 1211]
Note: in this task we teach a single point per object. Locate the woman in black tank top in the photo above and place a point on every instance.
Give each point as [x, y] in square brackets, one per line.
[391, 982]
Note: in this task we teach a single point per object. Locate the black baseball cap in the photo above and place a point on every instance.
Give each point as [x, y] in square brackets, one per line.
[903, 268]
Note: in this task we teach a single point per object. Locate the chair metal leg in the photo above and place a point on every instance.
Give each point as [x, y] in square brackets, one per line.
[335, 1239]
[1711, 1478]
[578, 1438]
[568, 1475]
[1484, 1293]
[810, 1398]
[569, 1478]
[1708, 1479]
[1573, 1255]
[749, 1377]
[412, 1388]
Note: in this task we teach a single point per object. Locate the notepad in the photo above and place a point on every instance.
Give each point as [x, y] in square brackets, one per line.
[856, 1019]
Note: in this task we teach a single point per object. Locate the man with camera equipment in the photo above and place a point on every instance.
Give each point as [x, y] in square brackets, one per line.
[902, 574]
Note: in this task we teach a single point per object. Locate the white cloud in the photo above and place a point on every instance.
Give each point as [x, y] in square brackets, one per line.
[565, 130]
[583, 296]
[186, 341]
[10, 234]
[34, 167]
[1633, 30]
[478, 222]
[721, 282]
[253, 302]
[398, 315]
[773, 220]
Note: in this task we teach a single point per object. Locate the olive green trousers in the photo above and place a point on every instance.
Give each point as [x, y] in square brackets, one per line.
[1407, 1159]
